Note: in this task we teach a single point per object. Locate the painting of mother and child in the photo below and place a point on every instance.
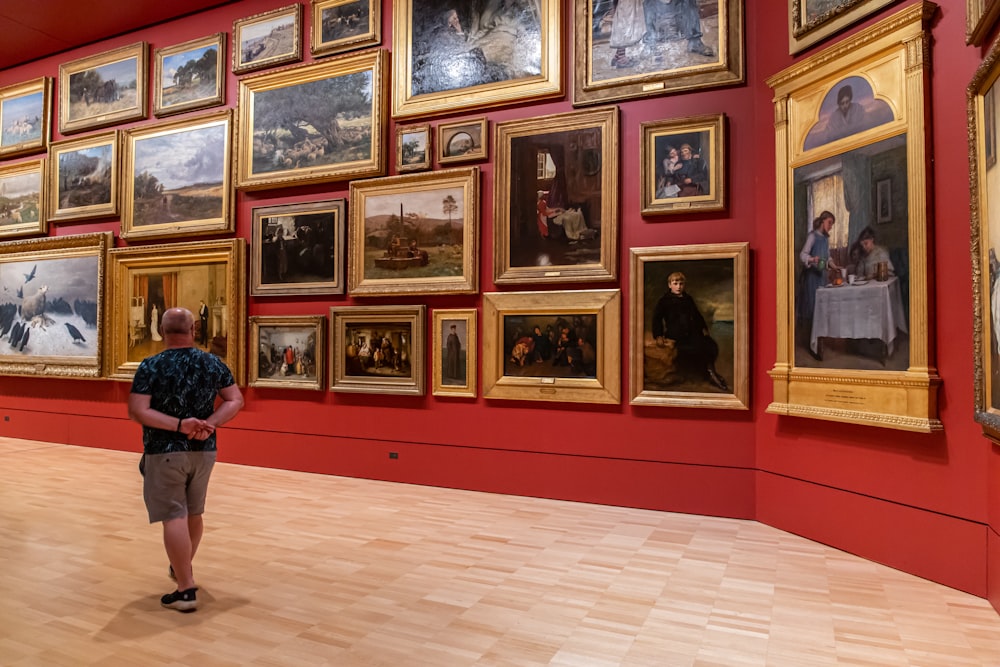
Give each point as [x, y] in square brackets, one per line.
[851, 238]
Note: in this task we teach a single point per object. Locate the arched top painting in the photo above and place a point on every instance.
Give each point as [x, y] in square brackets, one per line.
[849, 108]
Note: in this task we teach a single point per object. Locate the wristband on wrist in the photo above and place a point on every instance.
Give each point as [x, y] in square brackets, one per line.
[179, 420]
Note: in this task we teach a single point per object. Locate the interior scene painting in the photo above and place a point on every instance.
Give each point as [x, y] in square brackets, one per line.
[287, 353]
[851, 270]
[49, 307]
[20, 198]
[298, 249]
[689, 310]
[416, 234]
[556, 198]
[991, 179]
[463, 44]
[683, 166]
[179, 176]
[201, 288]
[103, 89]
[635, 38]
[454, 352]
[378, 350]
[21, 119]
[542, 345]
[292, 131]
[848, 108]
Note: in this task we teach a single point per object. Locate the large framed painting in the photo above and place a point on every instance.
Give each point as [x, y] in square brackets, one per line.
[984, 180]
[267, 39]
[378, 349]
[453, 352]
[689, 326]
[25, 114]
[853, 312]
[52, 306]
[177, 178]
[206, 277]
[298, 249]
[189, 76]
[683, 165]
[289, 350]
[415, 234]
[555, 198]
[22, 199]
[812, 21]
[319, 122]
[552, 346]
[342, 25]
[83, 177]
[109, 88]
[637, 48]
[980, 15]
[449, 56]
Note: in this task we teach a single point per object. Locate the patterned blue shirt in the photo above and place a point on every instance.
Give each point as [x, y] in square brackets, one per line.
[181, 382]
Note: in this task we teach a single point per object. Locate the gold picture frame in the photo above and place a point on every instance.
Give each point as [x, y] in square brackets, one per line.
[143, 281]
[690, 332]
[298, 248]
[267, 39]
[413, 147]
[445, 57]
[52, 306]
[462, 141]
[343, 25]
[562, 168]
[515, 366]
[288, 351]
[694, 45]
[683, 165]
[109, 88]
[83, 179]
[454, 352]
[980, 15]
[855, 350]
[189, 76]
[346, 91]
[985, 225]
[25, 117]
[360, 364]
[808, 26]
[23, 199]
[177, 178]
[415, 234]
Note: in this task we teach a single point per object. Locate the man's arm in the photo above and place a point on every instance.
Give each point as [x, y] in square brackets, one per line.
[232, 403]
[139, 410]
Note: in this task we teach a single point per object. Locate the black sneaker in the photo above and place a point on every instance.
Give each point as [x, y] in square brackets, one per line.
[181, 600]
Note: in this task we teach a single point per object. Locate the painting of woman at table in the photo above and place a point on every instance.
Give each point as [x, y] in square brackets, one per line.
[865, 325]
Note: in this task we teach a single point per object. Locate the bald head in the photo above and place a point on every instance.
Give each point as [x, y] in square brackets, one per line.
[177, 322]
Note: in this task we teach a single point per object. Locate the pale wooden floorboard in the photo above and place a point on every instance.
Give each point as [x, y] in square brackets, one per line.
[299, 569]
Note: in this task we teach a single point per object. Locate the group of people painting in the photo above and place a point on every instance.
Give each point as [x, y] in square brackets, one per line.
[564, 343]
[288, 360]
[635, 22]
[683, 173]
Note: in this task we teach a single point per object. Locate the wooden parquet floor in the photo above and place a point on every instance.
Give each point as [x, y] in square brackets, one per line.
[300, 569]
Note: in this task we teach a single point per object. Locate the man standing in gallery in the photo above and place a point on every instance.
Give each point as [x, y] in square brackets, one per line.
[174, 398]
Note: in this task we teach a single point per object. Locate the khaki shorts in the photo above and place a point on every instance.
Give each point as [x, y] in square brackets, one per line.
[175, 484]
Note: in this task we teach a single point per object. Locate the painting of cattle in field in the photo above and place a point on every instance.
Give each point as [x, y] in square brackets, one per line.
[178, 179]
[189, 76]
[21, 204]
[267, 39]
[103, 90]
[318, 122]
[83, 177]
[24, 117]
[341, 25]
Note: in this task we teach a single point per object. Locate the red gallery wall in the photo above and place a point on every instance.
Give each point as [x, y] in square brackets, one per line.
[927, 504]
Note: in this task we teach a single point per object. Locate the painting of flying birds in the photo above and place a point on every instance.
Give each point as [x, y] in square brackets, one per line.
[48, 308]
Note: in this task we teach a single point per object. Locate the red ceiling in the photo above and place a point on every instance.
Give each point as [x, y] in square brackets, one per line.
[32, 29]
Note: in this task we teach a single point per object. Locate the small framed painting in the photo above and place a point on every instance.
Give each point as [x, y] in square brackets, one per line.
[189, 76]
[684, 165]
[377, 349]
[462, 141]
[83, 177]
[22, 199]
[289, 351]
[267, 39]
[413, 147]
[25, 112]
[342, 25]
[107, 89]
[454, 352]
